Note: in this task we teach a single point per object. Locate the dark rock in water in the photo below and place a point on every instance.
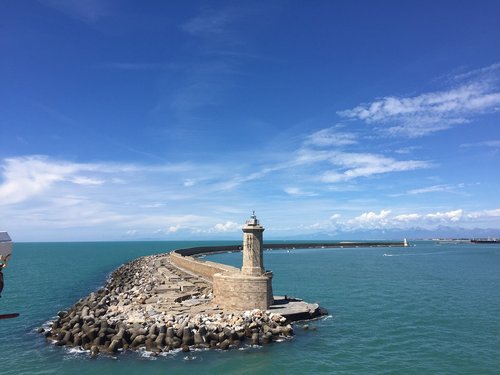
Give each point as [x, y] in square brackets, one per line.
[267, 337]
[94, 351]
[78, 340]
[187, 337]
[138, 341]
[68, 337]
[198, 338]
[170, 332]
[322, 311]
[160, 340]
[202, 330]
[211, 336]
[150, 345]
[114, 346]
[176, 343]
[255, 338]
[224, 345]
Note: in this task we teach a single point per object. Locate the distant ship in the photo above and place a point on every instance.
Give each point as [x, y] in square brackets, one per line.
[486, 240]
[451, 240]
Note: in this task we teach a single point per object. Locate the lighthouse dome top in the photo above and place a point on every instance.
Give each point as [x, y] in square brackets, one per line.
[253, 220]
[253, 223]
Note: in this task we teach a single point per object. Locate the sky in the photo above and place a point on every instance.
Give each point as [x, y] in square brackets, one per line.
[132, 120]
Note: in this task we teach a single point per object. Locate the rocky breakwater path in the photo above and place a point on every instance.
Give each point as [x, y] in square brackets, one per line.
[149, 304]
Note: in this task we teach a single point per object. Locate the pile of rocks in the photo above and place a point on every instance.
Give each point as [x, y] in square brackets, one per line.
[131, 313]
[185, 332]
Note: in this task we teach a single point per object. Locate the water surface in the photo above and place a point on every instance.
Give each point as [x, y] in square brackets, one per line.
[425, 309]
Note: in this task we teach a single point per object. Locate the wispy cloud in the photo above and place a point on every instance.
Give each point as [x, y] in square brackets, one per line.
[210, 21]
[366, 165]
[435, 189]
[127, 66]
[88, 11]
[23, 178]
[331, 137]
[433, 111]
[299, 192]
[490, 143]
[30, 176]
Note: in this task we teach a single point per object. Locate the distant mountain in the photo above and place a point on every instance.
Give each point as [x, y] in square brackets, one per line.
[392, 234]
[369, 234]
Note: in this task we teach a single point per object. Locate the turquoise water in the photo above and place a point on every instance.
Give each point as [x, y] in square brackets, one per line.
[418, 310]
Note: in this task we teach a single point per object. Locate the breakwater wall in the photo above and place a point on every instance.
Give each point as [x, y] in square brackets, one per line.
[234, 290]
[200, 250]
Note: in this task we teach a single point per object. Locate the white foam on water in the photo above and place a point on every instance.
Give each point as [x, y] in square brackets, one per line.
[77, 350]
[170, 353]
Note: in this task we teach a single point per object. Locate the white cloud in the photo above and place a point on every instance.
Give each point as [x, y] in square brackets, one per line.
[435, 189]
[330, 137]
[152, 205]
[173, 228]
[298, 192]
[228, 226]
[484, 214]
[407, 217]
[386, 219]
[355, 165]
[452, 216]
[491, 143]
[372, 217]
[26, 177]
[42, 195]
[82, 180]
[23, 178]
[433, 111]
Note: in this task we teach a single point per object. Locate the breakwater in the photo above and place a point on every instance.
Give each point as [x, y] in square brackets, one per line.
[165, 302]
[200, 250]
[150, 304]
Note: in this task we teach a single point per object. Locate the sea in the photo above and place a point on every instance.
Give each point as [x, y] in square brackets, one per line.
[426, 309]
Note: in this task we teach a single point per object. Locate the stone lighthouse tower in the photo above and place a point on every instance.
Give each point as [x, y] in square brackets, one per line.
[251, 287]
[253, 260]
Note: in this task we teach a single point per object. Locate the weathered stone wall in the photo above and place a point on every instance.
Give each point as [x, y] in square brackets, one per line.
[236, 291]
[253, 263]
[232, 289]
[202, 268]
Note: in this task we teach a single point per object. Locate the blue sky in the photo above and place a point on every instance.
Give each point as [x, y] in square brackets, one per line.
[124, 120]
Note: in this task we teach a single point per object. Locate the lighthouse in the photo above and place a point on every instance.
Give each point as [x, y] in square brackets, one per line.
[253, 262]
